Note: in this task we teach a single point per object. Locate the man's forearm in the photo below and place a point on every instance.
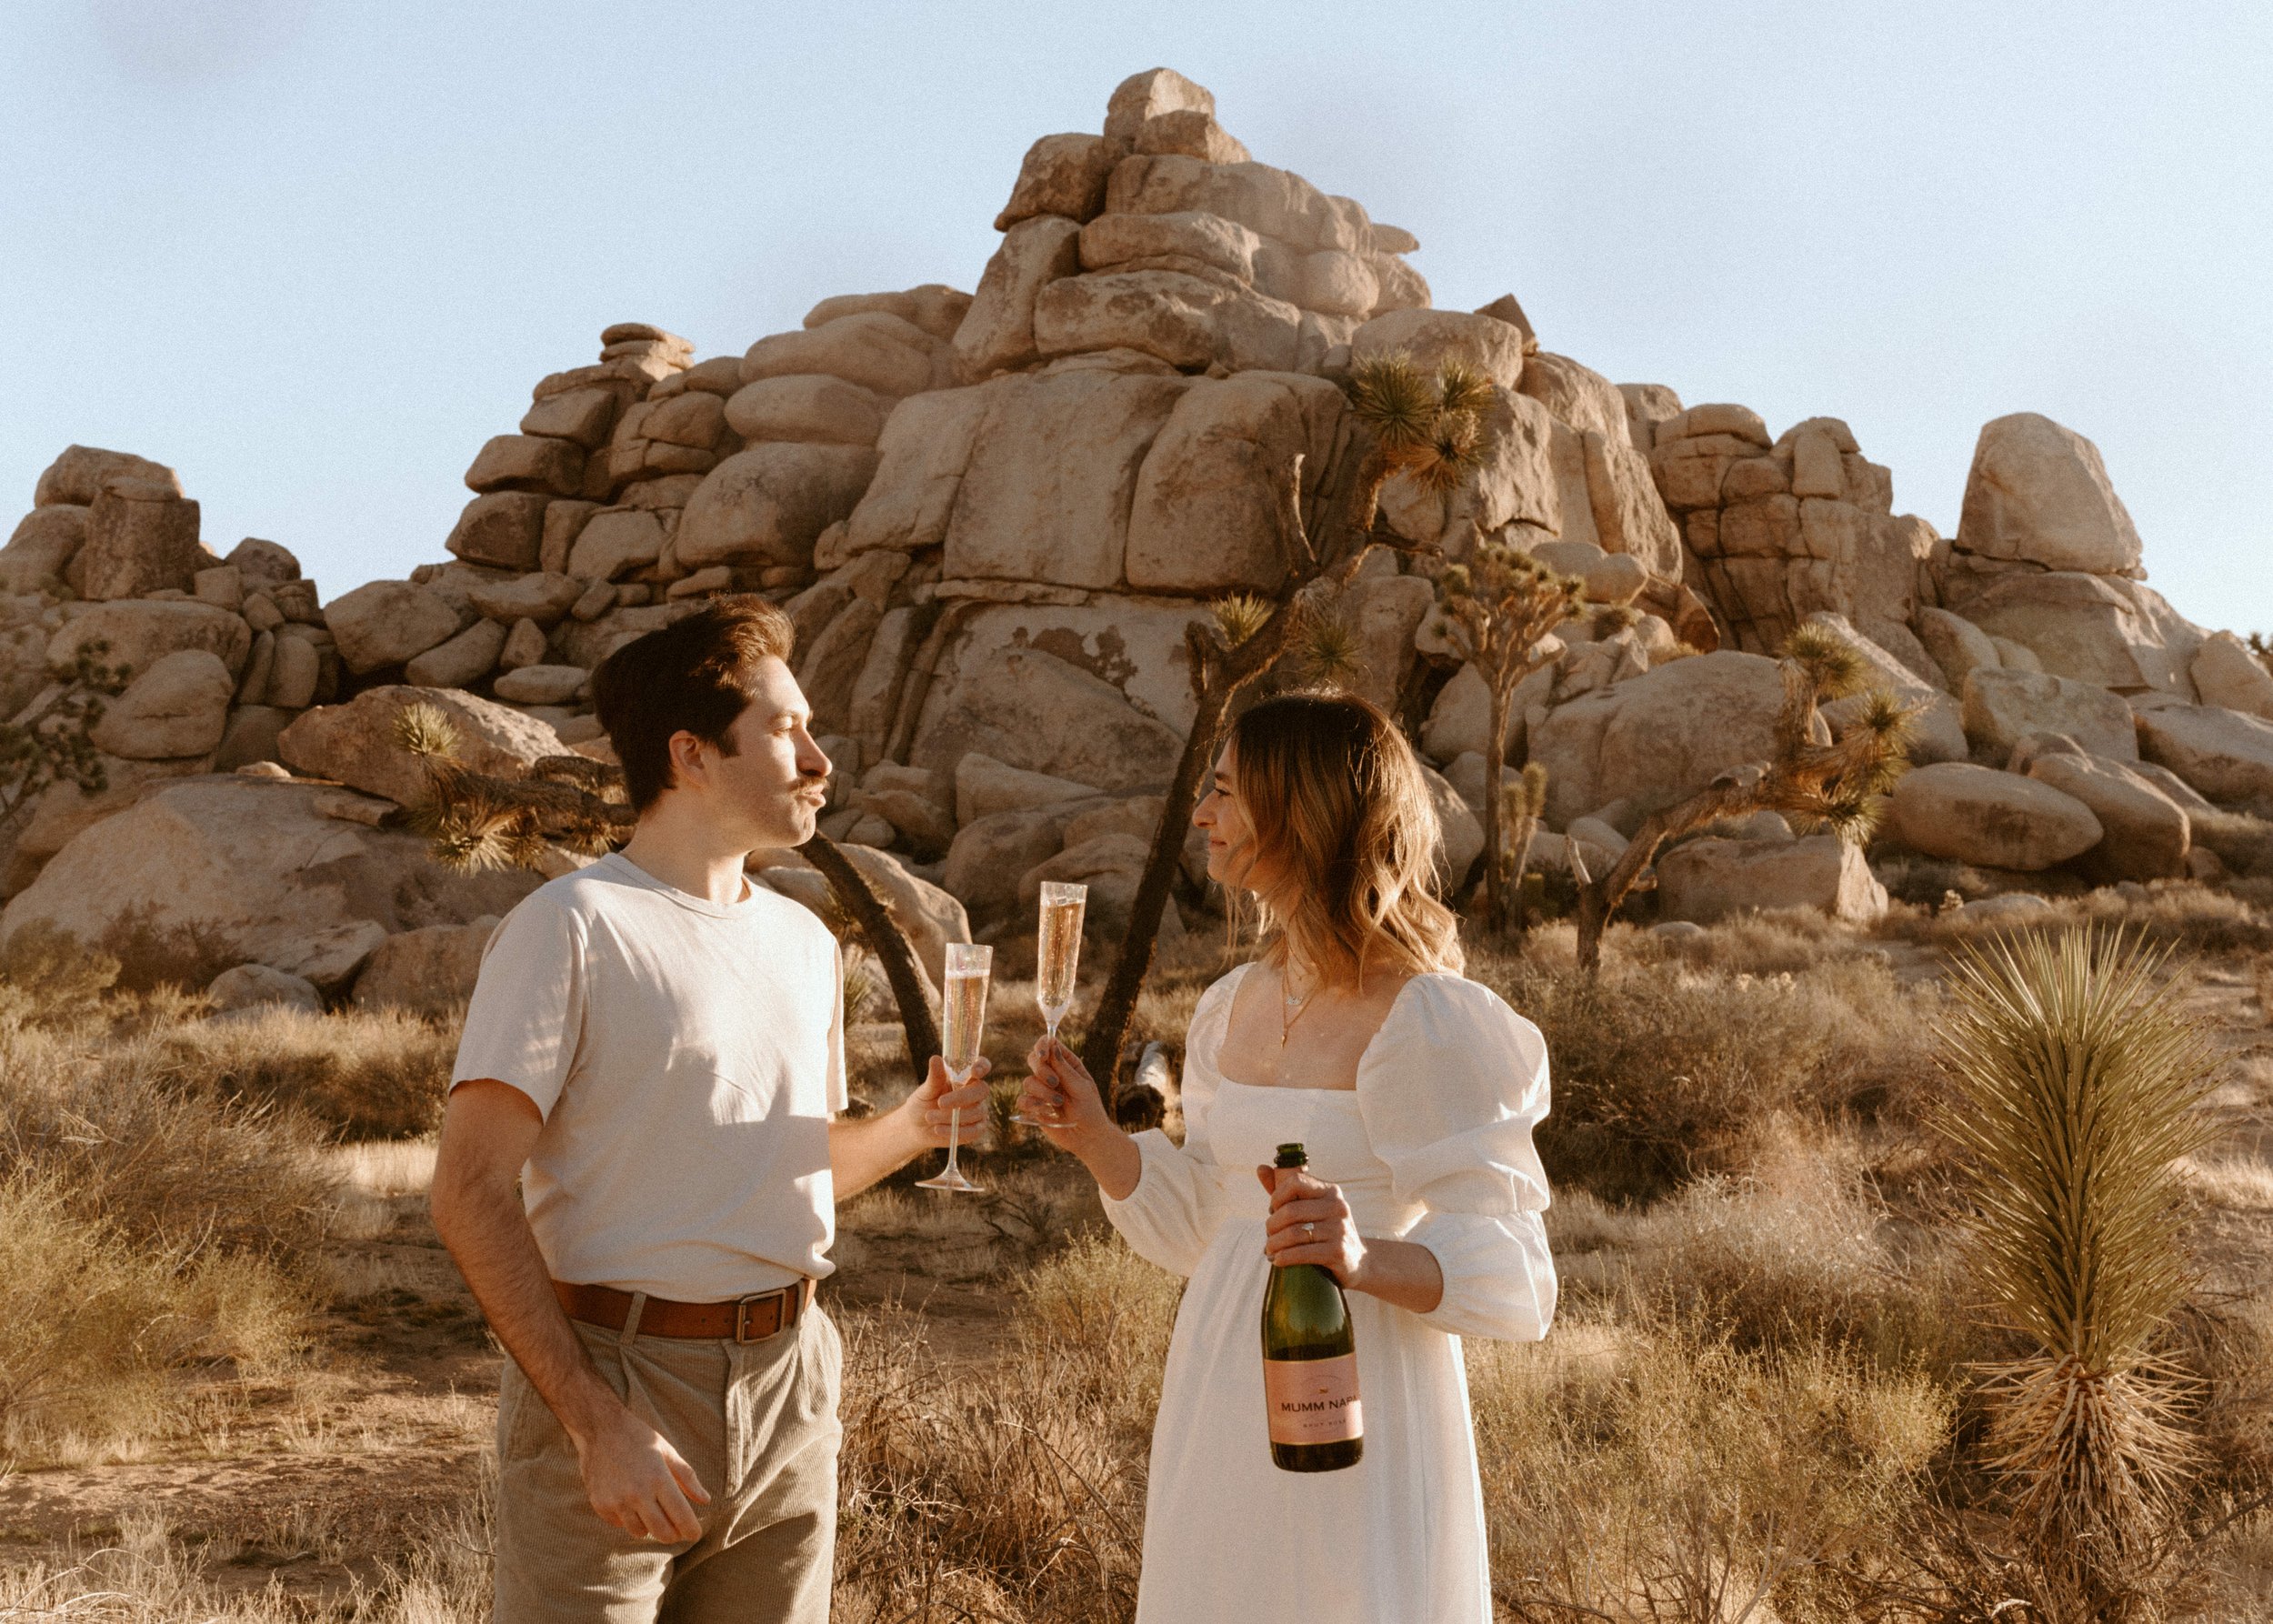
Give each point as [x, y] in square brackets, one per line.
[488, 1234]
[861, 1152]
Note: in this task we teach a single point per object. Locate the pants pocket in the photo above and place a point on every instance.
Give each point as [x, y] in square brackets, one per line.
[526, 1423]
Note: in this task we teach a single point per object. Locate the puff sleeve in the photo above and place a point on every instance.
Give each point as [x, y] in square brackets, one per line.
[1178, 1202]
[1450, 1093]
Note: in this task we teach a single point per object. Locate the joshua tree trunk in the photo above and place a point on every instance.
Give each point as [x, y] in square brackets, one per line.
[1520, 859]
[1828, 784]
[858, 898]
[1742, 790]
[1101, 1050]
[1496, 909]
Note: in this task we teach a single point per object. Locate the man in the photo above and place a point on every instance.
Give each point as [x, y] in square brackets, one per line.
[655, 1051]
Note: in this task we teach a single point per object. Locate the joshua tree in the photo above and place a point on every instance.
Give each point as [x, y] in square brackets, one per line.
[1499, 607]
[51, 742]
[1522, 804]
[476, 820]
[2078, 1081]
[1400, 421]
[1820, 784]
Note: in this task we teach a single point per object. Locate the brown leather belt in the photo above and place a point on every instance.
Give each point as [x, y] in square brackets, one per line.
[745, 1319]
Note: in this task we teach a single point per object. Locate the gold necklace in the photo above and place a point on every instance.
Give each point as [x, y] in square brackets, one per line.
[1301, 1007]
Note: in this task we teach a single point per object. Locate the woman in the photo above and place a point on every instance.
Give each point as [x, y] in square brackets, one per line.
[1415, 1091]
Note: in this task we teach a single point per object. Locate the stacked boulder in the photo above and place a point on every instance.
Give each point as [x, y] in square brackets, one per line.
[1778, 530]
[200, 857]
[218, 655]
[993, 517]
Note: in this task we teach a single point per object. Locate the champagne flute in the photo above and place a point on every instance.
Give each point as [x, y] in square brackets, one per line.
[1057, 957]
[969, 967]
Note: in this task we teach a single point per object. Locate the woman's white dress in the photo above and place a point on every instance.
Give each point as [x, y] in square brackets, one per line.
[1434, 1145]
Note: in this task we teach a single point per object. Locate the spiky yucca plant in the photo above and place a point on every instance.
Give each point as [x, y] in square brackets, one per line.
[1820, 785]
[476, 820]
[1430, 429]
[1328, 653]
[1523, 802]
[1239, 616]
[1613, 619]
[2077, 1085]
[1499, 607]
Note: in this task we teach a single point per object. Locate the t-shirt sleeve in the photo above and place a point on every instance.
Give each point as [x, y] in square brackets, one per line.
[527, 1018]
[839, 1093]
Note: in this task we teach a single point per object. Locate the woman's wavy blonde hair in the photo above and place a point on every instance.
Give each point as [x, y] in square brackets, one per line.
[1342, 817]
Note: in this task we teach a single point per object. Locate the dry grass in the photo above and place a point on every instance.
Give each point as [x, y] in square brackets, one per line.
[1664, 1072]
[1650, 1473]
[2243, 842]
[364, 1075]
[436, 1571]
[1016, 1490]
[2179, 914]
[143, 1231]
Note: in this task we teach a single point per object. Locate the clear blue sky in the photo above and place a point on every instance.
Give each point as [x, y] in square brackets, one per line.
[314, 253]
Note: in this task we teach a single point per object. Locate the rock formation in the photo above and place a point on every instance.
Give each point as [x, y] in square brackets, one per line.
[991, 516]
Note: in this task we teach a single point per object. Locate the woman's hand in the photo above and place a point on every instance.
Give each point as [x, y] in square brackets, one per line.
[1060, 1094]
[1310, 1223]
[937, 1101]
[1062, 1098]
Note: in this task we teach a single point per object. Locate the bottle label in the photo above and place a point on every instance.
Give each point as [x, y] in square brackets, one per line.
[1313, 1401]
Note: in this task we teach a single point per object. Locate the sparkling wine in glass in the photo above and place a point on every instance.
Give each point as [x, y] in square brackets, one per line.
[969, 967]
[1058, 956]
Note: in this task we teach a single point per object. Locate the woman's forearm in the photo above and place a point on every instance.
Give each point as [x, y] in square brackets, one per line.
[1402, 1272]
[1113, 1160]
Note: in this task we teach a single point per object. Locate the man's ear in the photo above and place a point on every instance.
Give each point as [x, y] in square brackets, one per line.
[687, 766]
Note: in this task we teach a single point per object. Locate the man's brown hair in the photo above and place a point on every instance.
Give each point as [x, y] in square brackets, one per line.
[693, 675]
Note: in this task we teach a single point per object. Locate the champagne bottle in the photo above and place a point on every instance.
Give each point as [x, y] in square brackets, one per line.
[1309, 1364]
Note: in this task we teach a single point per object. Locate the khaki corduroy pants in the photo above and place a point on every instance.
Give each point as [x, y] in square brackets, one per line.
[759, 1424]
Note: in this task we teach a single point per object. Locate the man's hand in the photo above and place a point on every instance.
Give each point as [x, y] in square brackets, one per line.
[934, 1102]
[636, 1479]
[860, 1153]
[637, 1482]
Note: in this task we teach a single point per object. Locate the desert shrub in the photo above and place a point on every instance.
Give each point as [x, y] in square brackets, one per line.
[165, 1170]
[432, 1568]
[1664, 1073]
[1798, 1262]
[2243, 843]
[1793, 940]
[1014, 1492]
[2078, 1081]
[2173, 914]
[140, 1231]
[48, 977]
[1658, 1472]
[361, 1074]
[94, 1321]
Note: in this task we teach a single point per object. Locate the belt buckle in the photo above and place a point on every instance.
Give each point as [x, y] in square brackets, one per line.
[742, 1316]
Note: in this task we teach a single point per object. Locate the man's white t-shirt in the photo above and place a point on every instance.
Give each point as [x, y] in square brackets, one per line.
[686, 1056]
